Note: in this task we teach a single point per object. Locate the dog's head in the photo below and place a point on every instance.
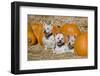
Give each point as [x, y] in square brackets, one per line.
[59, 37]
[71, 41]
[47, 29]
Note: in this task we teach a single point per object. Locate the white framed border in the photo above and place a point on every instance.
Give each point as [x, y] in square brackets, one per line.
[24, 64]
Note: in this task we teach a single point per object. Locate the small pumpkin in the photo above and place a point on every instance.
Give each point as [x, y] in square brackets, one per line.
[70, 29]
[81, 44]
[31, 37]
[56, 29]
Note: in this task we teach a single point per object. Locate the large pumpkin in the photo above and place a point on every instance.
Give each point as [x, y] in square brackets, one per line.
[31, 37]
[70, 29]
[81, 44]
[38, 32]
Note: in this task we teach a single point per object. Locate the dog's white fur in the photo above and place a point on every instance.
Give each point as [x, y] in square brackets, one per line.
[49, 43]
[60, 49]
[71, 41]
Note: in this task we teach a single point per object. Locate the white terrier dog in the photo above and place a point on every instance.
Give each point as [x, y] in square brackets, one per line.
[70, 43]
[60, 44]
[48, 39]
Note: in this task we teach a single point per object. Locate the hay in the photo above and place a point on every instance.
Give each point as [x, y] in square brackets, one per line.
[38, 53]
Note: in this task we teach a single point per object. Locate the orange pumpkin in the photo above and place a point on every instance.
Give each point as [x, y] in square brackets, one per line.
[81, 44]
[31, 37]
[70, 29]
[38, 32]
[56, 29]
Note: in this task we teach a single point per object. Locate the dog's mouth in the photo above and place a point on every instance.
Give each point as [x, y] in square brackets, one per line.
[71, 46]
[60, 43]
[47, 35]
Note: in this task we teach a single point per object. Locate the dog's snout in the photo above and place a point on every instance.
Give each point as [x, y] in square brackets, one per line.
[44, 31]
[60, 41]
[69, 43]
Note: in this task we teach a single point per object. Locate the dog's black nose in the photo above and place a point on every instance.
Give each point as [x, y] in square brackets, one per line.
[69, 44]
[44, 31]
[60, 41]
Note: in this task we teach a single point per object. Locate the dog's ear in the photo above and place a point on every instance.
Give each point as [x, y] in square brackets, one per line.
[44, 24]
[51, 22]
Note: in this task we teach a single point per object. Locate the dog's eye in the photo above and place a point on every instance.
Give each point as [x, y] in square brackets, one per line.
[62, 38]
